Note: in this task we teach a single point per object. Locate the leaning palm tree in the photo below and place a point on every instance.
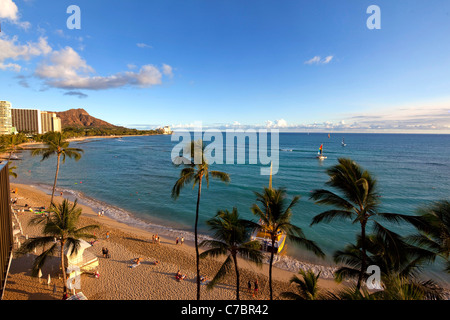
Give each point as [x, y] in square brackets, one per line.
[308, 287]
[59, 146]
[275, 216]
[196, 168]
[62, 225]
[231, 234]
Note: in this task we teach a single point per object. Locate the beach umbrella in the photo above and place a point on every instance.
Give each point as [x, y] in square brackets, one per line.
[40, 275]
[54, 288]
[49, 280]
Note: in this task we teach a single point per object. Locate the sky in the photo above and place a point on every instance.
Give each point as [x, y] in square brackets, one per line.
[291, 65]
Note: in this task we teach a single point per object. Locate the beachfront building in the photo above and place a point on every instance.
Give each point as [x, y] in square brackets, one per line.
[35, 121]
[6, 231]
[167, 130]
[27, 121]
[6, 126]
[50, 122]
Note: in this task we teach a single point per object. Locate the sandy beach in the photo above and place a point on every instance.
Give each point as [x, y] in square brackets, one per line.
[117, 280]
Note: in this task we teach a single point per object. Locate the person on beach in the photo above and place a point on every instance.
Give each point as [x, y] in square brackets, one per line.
[256, 288]
[107, 235]
[182, 240]
[176, 241]
[249, 286]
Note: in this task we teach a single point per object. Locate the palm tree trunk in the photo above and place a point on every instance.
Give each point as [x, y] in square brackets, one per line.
[363, 251]
[197, 255]
[270, 269]
[63, 267]
[56, 179]
[237, 277]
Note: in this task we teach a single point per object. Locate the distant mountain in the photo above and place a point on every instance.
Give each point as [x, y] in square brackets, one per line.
[80, 118]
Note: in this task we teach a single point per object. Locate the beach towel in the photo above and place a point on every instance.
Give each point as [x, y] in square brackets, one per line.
[135, 265]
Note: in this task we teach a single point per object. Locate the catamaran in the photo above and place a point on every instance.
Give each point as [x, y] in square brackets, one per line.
[264, 237]
[321, 156]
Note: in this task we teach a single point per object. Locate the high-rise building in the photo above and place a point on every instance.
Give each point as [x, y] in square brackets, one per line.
[27, 121]
[50, 122]
[35, 121]
[5, 118]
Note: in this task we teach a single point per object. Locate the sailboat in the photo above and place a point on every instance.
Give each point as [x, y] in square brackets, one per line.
[343, 142]
[321, 156]
[263, 237]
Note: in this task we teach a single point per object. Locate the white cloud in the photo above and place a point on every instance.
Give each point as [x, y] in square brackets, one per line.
[67, 70]
[10, 12]
[167, 70]
[327, 59]
[143, 45]
[10, 49]
[318, 60]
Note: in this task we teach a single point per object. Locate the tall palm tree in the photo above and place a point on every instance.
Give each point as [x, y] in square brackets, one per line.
[275, 216]
[231, 234]
[435, 230]
[196, 168]
[57, 145]
[62, 225]
[308, 286]
[357, 200]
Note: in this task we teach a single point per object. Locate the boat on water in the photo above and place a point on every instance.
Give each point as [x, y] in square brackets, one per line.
[321, 156]
[343, 142]
[264, 238]
[266, 243]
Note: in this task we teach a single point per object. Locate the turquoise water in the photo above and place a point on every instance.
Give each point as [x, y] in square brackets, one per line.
[132, 178]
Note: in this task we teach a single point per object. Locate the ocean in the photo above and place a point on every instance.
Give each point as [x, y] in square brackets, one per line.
[131, 179]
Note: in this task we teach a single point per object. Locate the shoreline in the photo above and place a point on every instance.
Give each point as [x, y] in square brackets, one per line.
[130, 240]
[283, 262]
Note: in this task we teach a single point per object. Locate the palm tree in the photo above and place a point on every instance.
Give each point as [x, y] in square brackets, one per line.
[392, 253]
[59, 146]
[275, 216]
[196, 169]
[11, 143]
[358, 202]
[231, 234]
[435, 230]
[62, 225]
[12, 173]
[308, 287]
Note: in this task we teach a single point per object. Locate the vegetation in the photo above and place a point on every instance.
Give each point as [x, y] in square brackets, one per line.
[10, 144]
[275, 216]
[307, 287]
[434, 232]
[62, 225]
[196, 168]
[74, 132]
[57, 145]
[231, 234]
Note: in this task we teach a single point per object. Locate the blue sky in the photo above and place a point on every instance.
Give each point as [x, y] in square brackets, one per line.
[293, 65]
